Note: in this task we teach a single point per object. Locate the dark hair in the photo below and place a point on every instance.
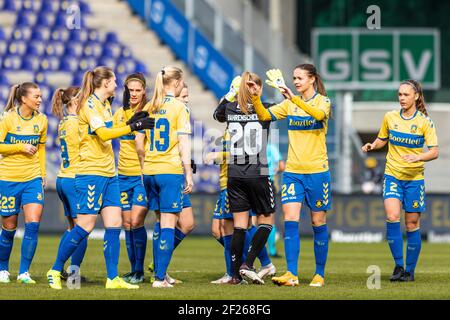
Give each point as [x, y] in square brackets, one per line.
[61, 98]
[138, 76]
[17, 92]
[420, 103]
[244, 95]
[92, 80]
[312, 72]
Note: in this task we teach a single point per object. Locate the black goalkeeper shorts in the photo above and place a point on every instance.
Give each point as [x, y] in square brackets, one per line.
[255, 194]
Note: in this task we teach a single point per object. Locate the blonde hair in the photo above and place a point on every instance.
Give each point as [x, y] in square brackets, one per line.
[17, 92]
[61, 98]
[92, 80]
[164, 77]
[244, 94]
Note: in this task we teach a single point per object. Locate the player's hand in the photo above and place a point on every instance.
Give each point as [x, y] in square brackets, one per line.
[189, 184]
[411, 158]
[126, 98]
[368, 147]
[142, 124]
[138, 116]
[234, 88]
[29, 149]
[275, 78]
[254, 88]
[286, 92]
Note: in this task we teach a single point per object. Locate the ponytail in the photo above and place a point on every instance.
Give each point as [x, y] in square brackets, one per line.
[320, 87]
[420, 102]
[163, 78]
[17, 92]
[92, 80]
[244, 94]
[62, 98]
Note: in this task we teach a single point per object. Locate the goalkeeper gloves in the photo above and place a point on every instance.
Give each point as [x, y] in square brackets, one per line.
[126, 98]
[234, 88]
[275, 78]
[142, 124]
[138, 116]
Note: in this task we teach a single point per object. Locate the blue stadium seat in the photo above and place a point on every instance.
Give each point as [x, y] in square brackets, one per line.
[12, 62]
[60, 34]
[74, 49]
[141, 67]
[60, 21]
[46, 19]
[12, 5]
[41, 34]
[126, 65]
[126, 52]
[94, 35]
[25, 19]
[79, 35]
[84, 7]
[21, 33]
[92, 49]
[50, 6]
[3, 47]
[87, 63]
[69, 64]
[4, 91]
[111, 37]
[2, 34]
[50, 63]
[31, 5]
[3, 79]
[17, 47]
[46, 91]
[77, 79]
[111, 50]
[55, 48]
[36, 48]
[40, 78]
[106, 61]
[31, 63]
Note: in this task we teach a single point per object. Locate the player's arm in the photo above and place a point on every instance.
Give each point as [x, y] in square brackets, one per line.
[140, 147]
[106, 134]
[219, 113]
[184, 146]
[316, 113]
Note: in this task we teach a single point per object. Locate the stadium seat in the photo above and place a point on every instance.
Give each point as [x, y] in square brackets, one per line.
[111, 37]
[50, 63]
[77, 78]
[26, 19]
[36, 48]
[109, 62]
[60, 21]
[69, 64]
[55, 48]
[87, 63]
[41, 34]
[112, 50]
[2, 34]
[4, 91]
[140, 67]
[126, 52]
[12, 62]
[84, 7]
[31, 63]
[60, 34]
[21, 33]
[3, 47]
[46, 19]
[92, 49]
[12, 5]
[79, 35]
[40, 78]
[94, 35]
[17, 47]
[50, 6]
[74, 49]
[31, 5]
[3, 79]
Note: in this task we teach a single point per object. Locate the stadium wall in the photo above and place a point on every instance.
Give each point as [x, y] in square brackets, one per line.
[353, 218]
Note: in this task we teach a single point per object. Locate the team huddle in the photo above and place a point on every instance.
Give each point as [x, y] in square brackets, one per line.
[155, 172]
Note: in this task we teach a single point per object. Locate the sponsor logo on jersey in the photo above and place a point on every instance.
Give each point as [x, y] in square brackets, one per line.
[318, 203]
[413, 128]
[39, 196]
[415, 204]
[36, 128]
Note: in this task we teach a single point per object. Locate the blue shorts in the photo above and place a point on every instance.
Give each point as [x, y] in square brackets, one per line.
[222, 210]
[165, 192]
[187, 201]
[313, 187]
[132, 192]
[96, 192]
[65, 187]
[14, 195]
[411, 193]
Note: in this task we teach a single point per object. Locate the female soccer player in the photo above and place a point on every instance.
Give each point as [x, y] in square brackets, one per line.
[132, 191]
[64, 106]
[96, 182]
[185, 223]
[307, 175]
[167, 165]
[23, 131]
[248, 185]
[407, 130]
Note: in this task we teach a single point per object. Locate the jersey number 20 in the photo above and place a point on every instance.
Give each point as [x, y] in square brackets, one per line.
[252, 135]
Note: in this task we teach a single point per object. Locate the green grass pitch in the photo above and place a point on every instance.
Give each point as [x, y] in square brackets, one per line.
[199, 260]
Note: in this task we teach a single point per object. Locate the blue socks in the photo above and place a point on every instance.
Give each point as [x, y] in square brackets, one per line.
[292, 245]
[78, 255]
[227, 253]
[179, 236]
[111, 251]
[68, 246]
[130, 248]
[6, 244]
[395, 240]
[63, 237]
[165, 250]
[29, 244]
[140, 247]
[156, 235]
[271, 242]
[413, 250]
[321, 248]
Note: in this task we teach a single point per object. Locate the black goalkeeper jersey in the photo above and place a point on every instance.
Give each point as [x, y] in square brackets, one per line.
[248, 140]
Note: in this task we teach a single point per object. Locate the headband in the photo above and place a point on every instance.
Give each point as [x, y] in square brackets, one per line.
[411, 84]
[136, 79]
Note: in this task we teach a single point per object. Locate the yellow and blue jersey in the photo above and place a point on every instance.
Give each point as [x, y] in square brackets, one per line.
[96, 156]
[14, 129]
[162, 154]
[307, 136]
[128, 159]
[406, 136]
[69, 140]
